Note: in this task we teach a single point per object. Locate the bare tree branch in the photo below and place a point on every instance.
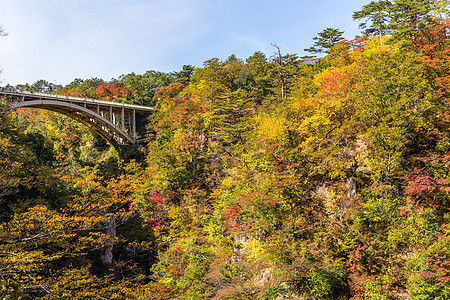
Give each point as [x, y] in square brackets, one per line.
[2, 31]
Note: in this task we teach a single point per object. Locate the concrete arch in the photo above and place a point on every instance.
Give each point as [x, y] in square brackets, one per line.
[93, 120]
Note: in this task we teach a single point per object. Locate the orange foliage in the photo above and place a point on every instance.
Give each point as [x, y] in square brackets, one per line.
[111, 92]
[435, 49]
[72, 94]
[169, 91]
[335, 81]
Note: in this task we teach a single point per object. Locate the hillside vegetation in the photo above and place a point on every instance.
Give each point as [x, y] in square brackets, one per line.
[266, 178]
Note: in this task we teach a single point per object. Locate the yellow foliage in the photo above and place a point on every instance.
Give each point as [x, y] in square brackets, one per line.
[255, 250]
[273, 128]
[80, 284]
[40, 237]
[331, 202]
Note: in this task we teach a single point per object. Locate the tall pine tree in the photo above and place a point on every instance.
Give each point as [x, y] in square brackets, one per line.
[326, 39]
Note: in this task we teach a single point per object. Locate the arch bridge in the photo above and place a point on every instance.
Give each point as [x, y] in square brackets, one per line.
[116, 122]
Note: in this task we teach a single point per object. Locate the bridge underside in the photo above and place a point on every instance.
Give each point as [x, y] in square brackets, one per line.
[116, 122]
[102, 120]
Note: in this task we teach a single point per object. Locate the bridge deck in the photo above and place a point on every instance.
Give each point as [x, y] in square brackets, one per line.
[45, 96]
[115, 121]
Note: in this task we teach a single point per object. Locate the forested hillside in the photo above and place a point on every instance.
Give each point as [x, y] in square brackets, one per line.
[270, 177]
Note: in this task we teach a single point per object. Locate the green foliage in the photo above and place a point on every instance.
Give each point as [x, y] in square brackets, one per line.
[263, 178]
[322, 284]
[377, 14]
[405, 20]
[273, 292]
[83, 87]
[10, 290]
[396, 106]
[326, 40]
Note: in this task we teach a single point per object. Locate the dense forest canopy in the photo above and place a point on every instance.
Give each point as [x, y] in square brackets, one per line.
[321, 177]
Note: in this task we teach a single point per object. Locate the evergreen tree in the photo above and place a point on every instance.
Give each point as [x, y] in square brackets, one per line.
[410, 17]
[326, 39]
[403, 19]
[184, 76]
[376, 15]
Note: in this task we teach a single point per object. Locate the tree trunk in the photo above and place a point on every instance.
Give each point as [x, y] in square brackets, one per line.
[109, 228]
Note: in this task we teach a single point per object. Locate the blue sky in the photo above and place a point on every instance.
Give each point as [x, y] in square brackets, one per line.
[60, 40]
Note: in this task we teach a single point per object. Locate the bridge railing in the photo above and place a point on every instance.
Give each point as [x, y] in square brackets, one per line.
[73, 98]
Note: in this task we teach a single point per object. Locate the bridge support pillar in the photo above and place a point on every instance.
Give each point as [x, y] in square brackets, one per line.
[134, 124]
[123, 118]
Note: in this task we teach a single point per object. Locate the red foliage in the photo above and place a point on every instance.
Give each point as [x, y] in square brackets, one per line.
[177, 250]
[435, 49]
[132, 207]
[155, 223]
[111, 92]
[335, 81]
[419, 181]
[157, 198]
[422, 187]
[403, 210]
[354, 262]
[358, 44]
[438, 268]
[231, 216]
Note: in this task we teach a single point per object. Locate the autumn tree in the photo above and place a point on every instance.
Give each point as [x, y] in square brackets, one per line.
[338, 191]
[433, 47]
[9, 165]
[114, 92]
[39, 241]
[83, 87]
[144, 86]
